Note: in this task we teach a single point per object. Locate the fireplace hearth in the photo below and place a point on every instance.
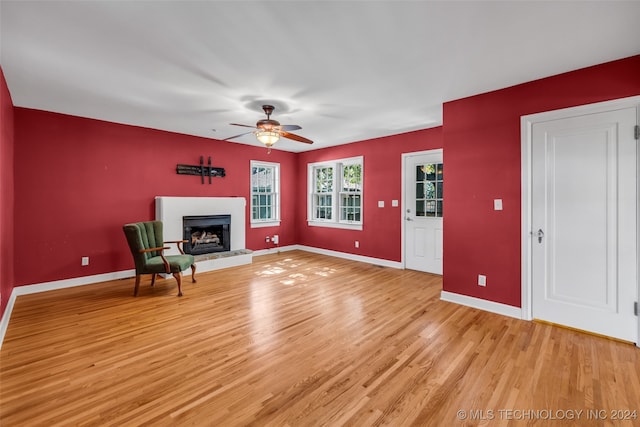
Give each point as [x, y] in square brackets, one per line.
[206, 234]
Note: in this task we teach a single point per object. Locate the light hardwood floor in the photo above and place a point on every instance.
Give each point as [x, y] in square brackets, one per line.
[299, 339]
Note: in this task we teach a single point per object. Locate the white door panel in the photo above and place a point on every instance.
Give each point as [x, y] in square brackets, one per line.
[437, 244]
[423, 211]
[584, 255]
[419, 242]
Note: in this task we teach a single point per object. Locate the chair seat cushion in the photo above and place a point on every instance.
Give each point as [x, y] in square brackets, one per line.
[177, 263]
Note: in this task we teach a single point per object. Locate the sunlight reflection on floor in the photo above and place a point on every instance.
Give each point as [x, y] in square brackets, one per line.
[325, 272]
[271, 271]
[283, 266]
[293, 279]
[267, 301]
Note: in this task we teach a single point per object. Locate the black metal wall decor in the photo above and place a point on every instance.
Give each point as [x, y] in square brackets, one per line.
[202, 170]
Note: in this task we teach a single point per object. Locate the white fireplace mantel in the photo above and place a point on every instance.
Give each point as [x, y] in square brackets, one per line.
[170, 211]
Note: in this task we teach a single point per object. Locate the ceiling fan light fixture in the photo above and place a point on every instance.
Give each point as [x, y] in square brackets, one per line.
[267, 137]
[269, 131]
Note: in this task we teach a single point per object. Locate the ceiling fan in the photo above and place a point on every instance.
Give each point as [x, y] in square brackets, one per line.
[269, 131]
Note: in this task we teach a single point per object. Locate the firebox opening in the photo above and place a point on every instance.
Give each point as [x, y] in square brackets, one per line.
[206, 234]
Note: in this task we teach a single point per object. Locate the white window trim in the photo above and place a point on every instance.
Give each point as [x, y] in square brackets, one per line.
[259, 223]
[337, 176]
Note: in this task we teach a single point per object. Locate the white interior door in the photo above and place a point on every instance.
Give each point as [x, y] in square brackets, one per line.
[584, 222]
[424, 174]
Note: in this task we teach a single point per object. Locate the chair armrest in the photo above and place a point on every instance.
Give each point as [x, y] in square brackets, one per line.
[153, 249]
[177, 242]
[167, 267]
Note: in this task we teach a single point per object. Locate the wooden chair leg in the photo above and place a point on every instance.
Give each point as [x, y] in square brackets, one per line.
[193, 273]
[135, 289]
[153, 279]
[178, 277]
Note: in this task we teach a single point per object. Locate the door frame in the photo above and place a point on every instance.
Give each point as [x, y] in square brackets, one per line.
[526, 133]
[403, 199]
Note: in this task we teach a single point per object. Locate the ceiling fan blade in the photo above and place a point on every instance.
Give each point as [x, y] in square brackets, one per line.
[235, 136]
[246, 126]
[290, 127]
[295, 137]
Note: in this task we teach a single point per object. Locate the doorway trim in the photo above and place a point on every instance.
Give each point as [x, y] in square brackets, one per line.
[403, 199]
[526, 134]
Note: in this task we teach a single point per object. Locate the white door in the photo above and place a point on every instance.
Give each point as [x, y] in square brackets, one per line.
[584, 222]
[424, 174]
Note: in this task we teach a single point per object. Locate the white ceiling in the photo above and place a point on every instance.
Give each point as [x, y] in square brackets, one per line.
[343, 70]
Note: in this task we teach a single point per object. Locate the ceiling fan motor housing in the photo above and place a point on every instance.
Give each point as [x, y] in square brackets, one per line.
[267, 124]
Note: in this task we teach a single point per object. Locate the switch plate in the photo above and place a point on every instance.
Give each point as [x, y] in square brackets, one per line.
[394, 203]
[482, 280]
[85, 261]
[497, 204]
[357, 244]
[275, 239]
[381, 203]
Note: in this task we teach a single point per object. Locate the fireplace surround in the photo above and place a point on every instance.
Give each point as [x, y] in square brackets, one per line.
[170, 210]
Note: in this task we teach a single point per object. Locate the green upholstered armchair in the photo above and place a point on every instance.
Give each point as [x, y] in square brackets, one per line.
[147, 246]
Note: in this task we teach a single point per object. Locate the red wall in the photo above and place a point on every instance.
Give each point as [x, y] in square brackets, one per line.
[77, 181]
[6, 194]
[482, 157]
[380, 236]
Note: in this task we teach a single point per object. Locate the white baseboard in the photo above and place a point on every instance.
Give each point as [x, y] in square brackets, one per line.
[56, 284]
[481, 304]
[4, 322]
[69, 283]
[353, 257]
[203, 266]
[276, 250]
[344, 255]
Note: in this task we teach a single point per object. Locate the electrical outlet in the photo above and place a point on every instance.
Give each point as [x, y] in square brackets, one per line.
[357, 244]
[267, 239]
[275, 239]
[482, 280]
[85, 261]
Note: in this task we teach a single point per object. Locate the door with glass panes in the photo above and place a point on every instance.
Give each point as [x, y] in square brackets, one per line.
[423, 210]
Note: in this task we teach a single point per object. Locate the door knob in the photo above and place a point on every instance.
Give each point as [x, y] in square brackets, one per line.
[540, 235]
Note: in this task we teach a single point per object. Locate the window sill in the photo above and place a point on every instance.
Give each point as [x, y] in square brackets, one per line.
[265, 224]
[329, 224]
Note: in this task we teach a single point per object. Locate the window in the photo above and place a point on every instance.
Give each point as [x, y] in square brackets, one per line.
[350, 193]
[429, 189]
[335, 193]
[265, 194]
[323, 196]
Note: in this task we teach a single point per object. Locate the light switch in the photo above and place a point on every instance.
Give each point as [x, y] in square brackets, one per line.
[482, 280]
[394, 203]
[381, 203]
[497, 204]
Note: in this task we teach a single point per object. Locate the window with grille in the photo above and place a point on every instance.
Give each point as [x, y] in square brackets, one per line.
[335, 193]
[265, 194]
[429, 196]
[351, 193]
